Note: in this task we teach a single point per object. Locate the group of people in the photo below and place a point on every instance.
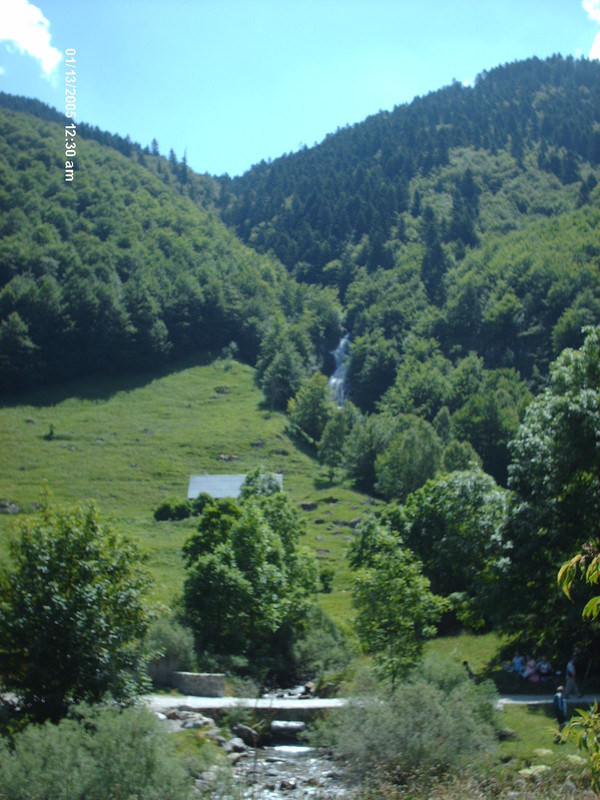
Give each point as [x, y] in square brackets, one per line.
[527, 667]
[541, 670]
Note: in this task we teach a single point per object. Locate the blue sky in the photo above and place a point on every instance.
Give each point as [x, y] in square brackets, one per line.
[231, 82]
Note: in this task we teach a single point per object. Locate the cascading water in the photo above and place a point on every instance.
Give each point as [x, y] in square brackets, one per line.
[337, 379]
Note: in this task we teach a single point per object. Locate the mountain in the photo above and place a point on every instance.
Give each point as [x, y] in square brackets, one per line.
[455, 238]
[127, 265]
[461, 232]
[309, 206]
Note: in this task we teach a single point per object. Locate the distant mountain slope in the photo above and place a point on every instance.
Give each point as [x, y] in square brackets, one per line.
[120, 269]
[402, 213]
[462, 232]
[175, 173]
[307, 207]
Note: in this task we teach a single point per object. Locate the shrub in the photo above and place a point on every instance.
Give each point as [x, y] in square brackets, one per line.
[171, 646]
[198, 503]
[323, 647]
[95, 754]
[433, 723]
[326, 576]
[173, 509]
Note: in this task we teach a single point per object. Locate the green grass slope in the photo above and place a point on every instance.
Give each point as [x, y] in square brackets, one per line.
[128, 443]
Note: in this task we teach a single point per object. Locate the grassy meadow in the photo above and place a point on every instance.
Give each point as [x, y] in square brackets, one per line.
[130, 442]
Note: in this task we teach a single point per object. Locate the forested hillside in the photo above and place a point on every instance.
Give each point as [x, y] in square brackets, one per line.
[309, 206]
[455, 238]
[123, 268]
[461, 232]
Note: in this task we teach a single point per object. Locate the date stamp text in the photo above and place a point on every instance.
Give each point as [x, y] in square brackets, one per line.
[70, 112]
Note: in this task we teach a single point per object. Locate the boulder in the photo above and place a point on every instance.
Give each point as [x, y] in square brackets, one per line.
[237, 745]
[6, 507]
[247, 734]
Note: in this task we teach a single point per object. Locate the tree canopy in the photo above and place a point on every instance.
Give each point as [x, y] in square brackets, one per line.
[455, 524]
[396, 610]
[248, 580]
[72, 612]
[128, 268]
[555, 508]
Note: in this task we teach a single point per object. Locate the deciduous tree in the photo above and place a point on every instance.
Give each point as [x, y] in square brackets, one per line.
[248, 584]
[555, 481]
[72, 611]
[331, 444]
[455, 523]
[396, 610]
[409, 460]
[312, 407]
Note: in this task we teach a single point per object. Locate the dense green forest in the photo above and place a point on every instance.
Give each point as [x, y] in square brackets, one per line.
[455, 239]
[310, 206]
[455, 242]
[461, 232]
[121, 270]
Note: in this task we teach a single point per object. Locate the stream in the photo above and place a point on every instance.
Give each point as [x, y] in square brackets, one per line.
[281, 768]
[272, 773]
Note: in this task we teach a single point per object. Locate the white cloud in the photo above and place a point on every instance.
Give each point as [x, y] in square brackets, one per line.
[592, 9]
[24, 25]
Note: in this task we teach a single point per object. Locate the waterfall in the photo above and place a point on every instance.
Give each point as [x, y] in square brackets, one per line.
[336, 380]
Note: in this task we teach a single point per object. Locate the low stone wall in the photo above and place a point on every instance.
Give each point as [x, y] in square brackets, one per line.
[200, 684]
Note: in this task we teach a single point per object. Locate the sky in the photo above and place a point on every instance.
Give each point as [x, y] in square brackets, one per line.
[231, 82]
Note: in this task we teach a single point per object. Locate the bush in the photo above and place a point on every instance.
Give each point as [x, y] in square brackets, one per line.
[94, 755]
[326, 576]
[173, 509]
[171, 646]
[198, 503]
[434, 723]
[323, 647]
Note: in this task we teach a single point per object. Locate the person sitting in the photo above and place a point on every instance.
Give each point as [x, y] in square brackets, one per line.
[544, 668]
[518, 663]
[530, 672]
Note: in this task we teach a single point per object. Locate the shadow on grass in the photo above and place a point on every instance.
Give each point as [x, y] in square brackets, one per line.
[321, 482]
[301, 441]
[101, 387]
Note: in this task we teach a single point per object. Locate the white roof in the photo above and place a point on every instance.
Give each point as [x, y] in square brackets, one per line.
[219, 486]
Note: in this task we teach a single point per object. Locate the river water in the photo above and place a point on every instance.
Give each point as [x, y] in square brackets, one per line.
[273, 773]
[284, 768]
